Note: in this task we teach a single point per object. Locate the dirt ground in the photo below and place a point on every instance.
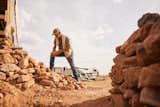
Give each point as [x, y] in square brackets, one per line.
[94, 94]
[93, 90]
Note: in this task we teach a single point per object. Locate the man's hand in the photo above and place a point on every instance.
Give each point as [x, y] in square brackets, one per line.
[55, 53]
[65, 49]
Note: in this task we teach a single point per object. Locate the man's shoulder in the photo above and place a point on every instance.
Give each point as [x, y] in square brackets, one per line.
[65, 36]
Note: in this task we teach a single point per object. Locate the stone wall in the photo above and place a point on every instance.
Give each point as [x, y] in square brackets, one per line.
[136, 70]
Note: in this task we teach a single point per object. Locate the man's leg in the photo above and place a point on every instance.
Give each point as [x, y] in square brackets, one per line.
[51, 62]
[70, 60]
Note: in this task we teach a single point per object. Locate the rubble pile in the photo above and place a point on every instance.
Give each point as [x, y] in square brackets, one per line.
[135, 74]
[22, 71]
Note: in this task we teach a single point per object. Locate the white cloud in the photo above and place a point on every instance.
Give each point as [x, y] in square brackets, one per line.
[28, 39]
[118, 1]
[102, 31]
[23, 18]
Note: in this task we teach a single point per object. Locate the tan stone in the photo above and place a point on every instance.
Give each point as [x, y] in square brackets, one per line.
[26, 71]
[9, 68]
[65, 82]
[45, 82]
[42, 78]
[41, 64]
[33, 62]
[17, 57]
[1, 95]
[19, 85]
[60, 85]
[28, 84]
[7, 58]
[14, 77]
[10, 74]
[2, 76]
[24, 62]
[77, 87]
[56, 77]
[24, 78]
[4, 51]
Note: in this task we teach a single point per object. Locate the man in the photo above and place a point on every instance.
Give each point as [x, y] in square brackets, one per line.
[64, 49]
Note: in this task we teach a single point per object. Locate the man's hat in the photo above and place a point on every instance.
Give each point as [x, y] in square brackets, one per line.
[55, 31]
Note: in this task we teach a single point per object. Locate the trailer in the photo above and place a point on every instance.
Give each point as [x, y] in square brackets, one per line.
[84, 73]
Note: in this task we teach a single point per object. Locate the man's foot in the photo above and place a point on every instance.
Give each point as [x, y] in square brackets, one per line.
[78, 79]
[52, 69]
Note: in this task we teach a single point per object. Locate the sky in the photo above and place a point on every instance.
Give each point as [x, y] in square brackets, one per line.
[95, 28]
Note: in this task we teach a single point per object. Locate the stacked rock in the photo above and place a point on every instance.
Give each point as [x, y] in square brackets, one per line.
[21, 70]
[135, 75]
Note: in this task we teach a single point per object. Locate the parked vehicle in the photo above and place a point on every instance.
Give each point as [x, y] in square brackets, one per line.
[84, 73]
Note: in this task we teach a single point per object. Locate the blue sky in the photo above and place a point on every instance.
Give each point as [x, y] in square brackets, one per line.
[95, 27]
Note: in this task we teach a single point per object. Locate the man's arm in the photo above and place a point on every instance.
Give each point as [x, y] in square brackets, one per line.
[54, 47]
[56, 52]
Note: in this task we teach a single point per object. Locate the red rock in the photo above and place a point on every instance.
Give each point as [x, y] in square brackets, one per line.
[118, 49]
[115, 90]
[119, 59]
[150, 96]
[131, 76]
[135, 75]
[131, 50]
[130, 61]
[148, 18]
[152, 42]
[119, 101]
[149, 76]
[129, 41]
[144, 59]
[123, 87]
[117, 74]
[129, 93]
[135, 102]
[143, 33]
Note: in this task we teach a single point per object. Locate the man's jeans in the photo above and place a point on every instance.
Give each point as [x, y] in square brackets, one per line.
[70, 61]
